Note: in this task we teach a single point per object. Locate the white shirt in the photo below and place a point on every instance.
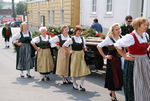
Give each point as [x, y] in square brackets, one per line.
[77, 40]
[106, 42]
[128, 40]
[17, 36]
[56, 38]
[37, 40]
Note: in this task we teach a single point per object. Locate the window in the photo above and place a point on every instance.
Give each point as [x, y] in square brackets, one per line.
[30, 17]
[62, 17]
[39, 18]
[53, 17]
[42, 20]
[94, 6]
[49, 16]
[109, 6]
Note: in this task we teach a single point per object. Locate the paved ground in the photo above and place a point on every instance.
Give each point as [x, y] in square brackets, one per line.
[14, 88]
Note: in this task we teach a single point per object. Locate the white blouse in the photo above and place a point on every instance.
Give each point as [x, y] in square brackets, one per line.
[37, 40]
[56, 38]
[106, 42]
[128, 40]
[77, 40]
[17, 36]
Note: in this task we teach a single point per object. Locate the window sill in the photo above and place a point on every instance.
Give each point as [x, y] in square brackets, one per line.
[108, 15]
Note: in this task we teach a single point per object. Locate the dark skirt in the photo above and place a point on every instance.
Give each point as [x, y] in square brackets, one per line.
[24, 59]
[113, 79]
[128, 80]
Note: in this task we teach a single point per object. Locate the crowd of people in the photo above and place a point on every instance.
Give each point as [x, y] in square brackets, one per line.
[128, 64]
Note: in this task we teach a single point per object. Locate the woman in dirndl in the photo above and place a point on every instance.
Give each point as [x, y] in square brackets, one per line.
[78, 67]
[25, 55]
[113, 79]
[44, 62]
[137, 65]
[62, 65]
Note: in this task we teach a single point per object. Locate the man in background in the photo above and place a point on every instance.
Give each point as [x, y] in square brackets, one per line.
[127, 27]
[97, 26]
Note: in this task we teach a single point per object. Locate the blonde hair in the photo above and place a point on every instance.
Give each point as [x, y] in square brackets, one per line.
[21, 26]
[138, 22]
[110, 31]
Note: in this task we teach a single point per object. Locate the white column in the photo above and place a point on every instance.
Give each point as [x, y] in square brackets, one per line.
[145, 8]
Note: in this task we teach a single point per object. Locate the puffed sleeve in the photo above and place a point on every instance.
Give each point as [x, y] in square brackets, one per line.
[125, 41]
[16, 37]
[68, 42]
[105, 42]
[35, 40]
[54, 39]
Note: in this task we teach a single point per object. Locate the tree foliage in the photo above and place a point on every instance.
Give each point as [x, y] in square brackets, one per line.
[20, 8]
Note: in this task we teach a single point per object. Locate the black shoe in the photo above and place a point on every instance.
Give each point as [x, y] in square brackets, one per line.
[7, 46]
[22, 76]
[82, 89]
[42, 79]
[75, 88]
[110, 94]
[29, 76]
[64, 82]
[47, 79]
[68, 81]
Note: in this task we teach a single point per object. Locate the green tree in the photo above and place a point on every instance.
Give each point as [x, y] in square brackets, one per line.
[20, 8]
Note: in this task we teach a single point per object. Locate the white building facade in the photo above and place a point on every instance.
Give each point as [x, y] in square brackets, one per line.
[112, 11]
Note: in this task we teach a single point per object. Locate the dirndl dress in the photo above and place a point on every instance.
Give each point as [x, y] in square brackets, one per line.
[25, 59]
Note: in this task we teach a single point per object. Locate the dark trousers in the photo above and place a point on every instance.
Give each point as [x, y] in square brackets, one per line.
[7, 39]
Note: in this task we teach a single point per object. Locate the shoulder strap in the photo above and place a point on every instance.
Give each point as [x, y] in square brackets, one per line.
[40, 38]
[21, 34]
[73, 40]
[112, 39]
[29, 33]
[120, 36]
[59, 36]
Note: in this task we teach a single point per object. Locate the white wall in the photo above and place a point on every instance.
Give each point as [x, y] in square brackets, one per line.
[135, 8]
[120, 10]
[147, 9]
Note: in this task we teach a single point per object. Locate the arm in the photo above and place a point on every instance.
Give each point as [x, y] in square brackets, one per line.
[15, 39]
[101, 28]
[125, 41]
[3, 32]
[105, 42]
[33, 43]
[66, 46]
[84, 46]
[103, 54]
[123, 54]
